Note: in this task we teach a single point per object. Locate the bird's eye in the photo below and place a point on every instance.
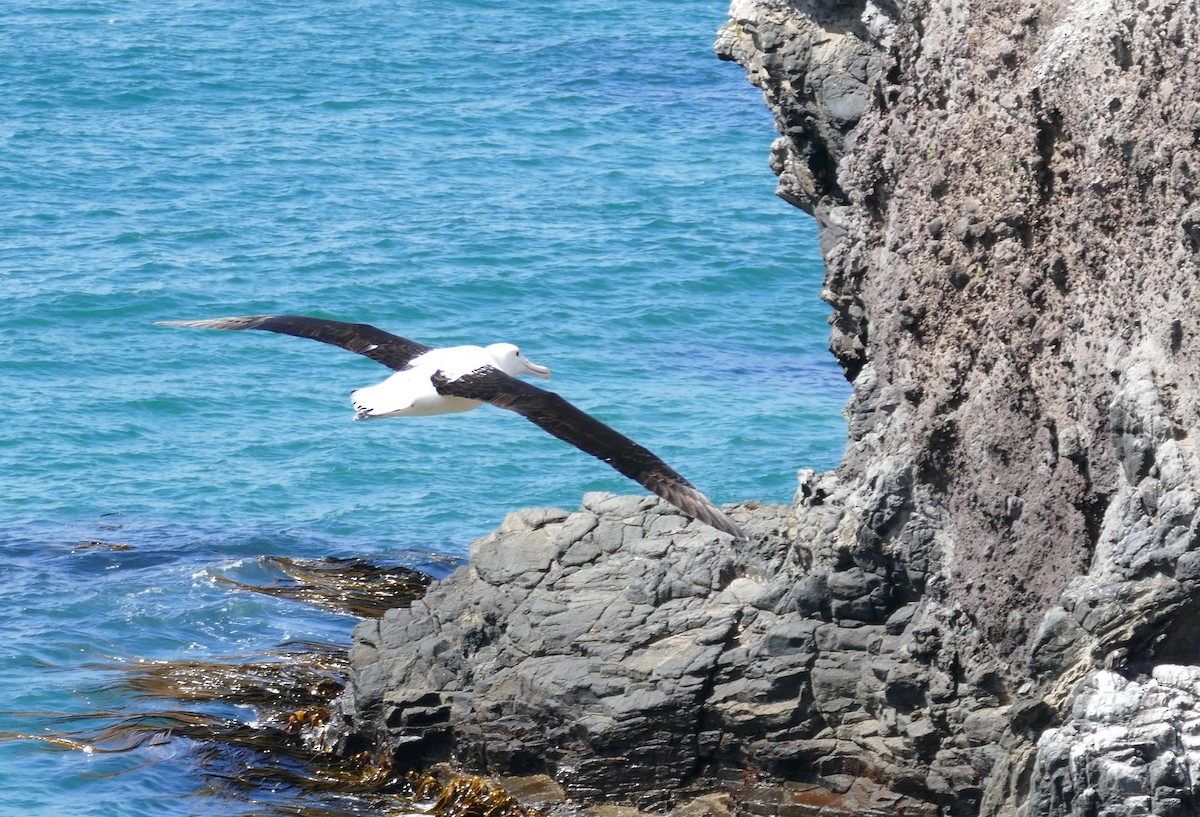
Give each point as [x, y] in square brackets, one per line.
[518, 353]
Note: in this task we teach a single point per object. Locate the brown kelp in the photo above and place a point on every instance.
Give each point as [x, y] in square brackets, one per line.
[284, 759]
[464, 796]
[275, 683]
[354, 586]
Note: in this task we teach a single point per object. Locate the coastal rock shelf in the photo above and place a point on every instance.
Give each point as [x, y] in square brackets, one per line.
[640, 657]
[990, 607]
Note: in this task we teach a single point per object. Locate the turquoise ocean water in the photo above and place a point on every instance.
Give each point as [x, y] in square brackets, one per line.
[583, 178]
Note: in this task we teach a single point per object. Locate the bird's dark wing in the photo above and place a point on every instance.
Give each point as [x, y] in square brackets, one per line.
[563, 420]
[391, 350]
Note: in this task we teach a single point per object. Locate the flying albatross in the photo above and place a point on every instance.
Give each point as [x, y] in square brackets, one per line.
[461, 378]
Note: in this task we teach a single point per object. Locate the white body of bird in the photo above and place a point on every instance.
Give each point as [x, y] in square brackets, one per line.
[410, 392]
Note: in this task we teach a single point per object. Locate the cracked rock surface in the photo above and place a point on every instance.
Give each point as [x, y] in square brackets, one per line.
[573, 641]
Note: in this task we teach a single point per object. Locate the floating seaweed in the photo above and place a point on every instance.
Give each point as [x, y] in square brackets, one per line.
[289, 747]
[280, 683]
[353, 586]
[464, 796]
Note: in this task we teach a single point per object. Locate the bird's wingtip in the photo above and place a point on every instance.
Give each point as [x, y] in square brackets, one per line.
[237, 322]
[726, 525]
[202, 323]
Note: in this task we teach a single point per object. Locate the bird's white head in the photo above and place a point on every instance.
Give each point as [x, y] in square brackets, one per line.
[510, 361]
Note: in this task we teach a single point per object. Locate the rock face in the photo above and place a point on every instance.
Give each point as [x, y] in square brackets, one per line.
[990, 605]
[1129, 747]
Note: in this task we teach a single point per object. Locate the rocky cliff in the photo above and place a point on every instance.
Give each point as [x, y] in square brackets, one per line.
[989, 606]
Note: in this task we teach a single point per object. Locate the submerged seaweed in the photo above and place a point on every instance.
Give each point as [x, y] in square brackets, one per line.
[282, 682]
[282, 761]
[353, 586]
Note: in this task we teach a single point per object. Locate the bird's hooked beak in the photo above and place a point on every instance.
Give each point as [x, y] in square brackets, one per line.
[532, 368]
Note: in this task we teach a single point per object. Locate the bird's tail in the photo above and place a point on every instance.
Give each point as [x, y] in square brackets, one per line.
[363, 409]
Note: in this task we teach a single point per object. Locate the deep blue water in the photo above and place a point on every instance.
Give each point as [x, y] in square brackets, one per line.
[583, 178]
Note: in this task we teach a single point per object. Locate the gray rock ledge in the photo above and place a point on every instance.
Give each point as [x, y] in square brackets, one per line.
[638, 657]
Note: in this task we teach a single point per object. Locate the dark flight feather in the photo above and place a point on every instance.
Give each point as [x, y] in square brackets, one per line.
[391, 350]
[555, 415]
